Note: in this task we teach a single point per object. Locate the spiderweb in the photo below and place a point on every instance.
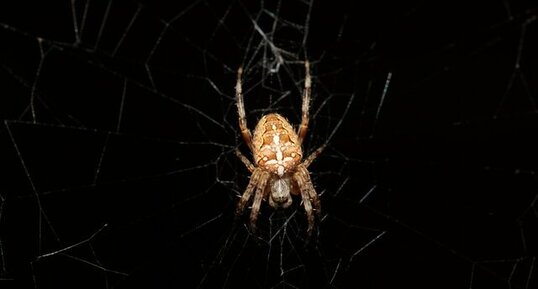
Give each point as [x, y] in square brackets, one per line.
[119, 131]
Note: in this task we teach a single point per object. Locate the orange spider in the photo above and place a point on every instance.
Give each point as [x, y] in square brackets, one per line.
[276, 148]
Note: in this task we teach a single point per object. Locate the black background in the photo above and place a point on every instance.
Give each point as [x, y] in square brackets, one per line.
[114, 179]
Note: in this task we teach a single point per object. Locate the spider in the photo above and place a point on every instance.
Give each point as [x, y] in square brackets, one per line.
[277, 172]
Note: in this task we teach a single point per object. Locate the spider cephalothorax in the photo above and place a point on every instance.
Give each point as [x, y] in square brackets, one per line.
[279, 170]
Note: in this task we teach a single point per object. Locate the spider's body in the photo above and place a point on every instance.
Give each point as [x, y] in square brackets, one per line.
[275, 145]
[276, 148]
[279, 169]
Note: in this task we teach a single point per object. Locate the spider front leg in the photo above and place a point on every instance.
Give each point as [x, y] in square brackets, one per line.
[306, 102]
[245, 132]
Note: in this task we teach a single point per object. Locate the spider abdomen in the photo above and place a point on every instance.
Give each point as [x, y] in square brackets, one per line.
[275, 145]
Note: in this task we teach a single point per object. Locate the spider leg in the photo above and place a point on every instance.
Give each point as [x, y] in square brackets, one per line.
[309, 187]
[310, 198]
[254, 179]
[313, 156]
[258, 197]
[245, 160]
[245, 132]
[306, 102]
